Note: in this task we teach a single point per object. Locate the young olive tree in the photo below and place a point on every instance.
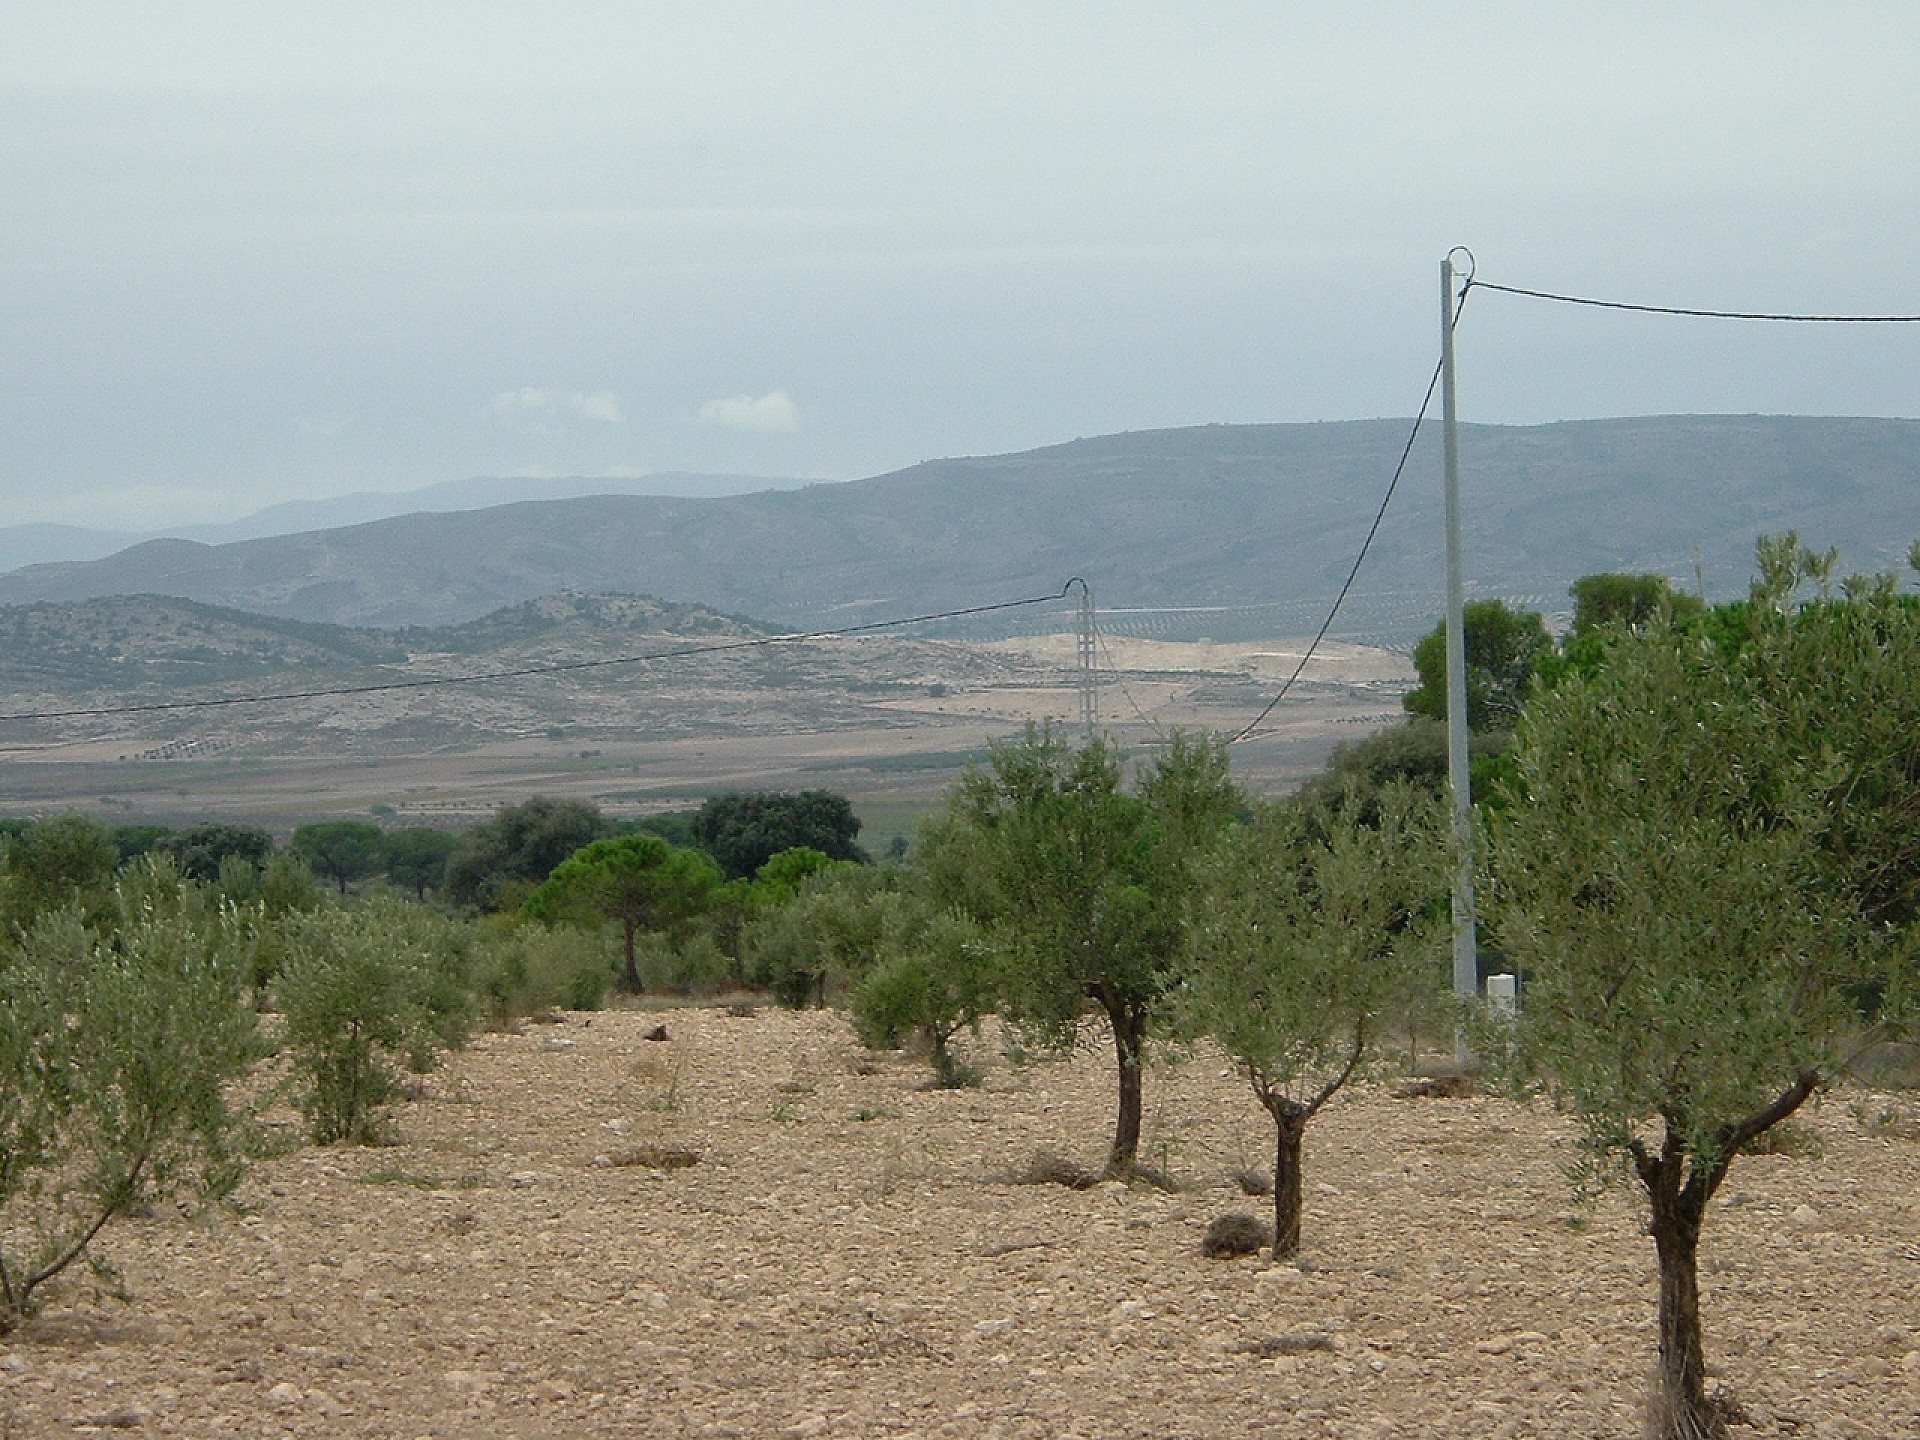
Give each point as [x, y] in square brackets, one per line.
[357, 991]
[1081, 885]
[936, 977]
[1313, 929]
[117, 1048]
[1673, 877]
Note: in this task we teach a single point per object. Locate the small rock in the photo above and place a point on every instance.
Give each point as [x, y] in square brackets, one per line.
[618, 1127]
[658, 1032]
[525, 1179]
[603, 1162]
[1805, 1216]
[12, 1363]
[284, 1396]
[553, 1388]
[556, 1042]
[993, 1327]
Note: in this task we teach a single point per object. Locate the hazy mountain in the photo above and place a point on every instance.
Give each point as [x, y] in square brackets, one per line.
[1256, 525]
[45, 544]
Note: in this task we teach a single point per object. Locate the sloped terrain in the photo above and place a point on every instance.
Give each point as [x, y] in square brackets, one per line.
[1255, 524]
[755, 1228]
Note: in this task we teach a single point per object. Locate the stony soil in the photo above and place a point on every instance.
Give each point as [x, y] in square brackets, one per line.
[845, 1257]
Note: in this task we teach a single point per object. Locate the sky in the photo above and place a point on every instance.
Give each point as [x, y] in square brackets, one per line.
[253, 253]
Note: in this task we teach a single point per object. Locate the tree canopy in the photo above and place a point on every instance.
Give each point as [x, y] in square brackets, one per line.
[1080, 884]
[341, 850]
[1503, 646]
[1314, 929]
[1706, 863]
[637, 879]
[745, 829]
[497, 862]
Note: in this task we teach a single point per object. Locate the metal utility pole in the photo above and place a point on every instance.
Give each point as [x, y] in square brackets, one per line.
[1088, 673]
[1466, 959]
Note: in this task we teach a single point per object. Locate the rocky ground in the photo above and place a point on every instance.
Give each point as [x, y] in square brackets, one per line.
[754, 1228]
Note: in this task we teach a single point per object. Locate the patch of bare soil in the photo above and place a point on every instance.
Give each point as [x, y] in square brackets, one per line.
[754, 1228]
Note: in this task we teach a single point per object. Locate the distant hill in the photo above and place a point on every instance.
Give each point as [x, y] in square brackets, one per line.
[1216, 529]
[44, 544]
[153, 643]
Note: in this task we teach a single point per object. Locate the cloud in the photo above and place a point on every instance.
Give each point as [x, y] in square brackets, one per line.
[771, 412]
[601, 405]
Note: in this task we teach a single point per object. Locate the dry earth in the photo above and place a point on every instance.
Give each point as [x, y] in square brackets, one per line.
[869, 719]
[842, 1261]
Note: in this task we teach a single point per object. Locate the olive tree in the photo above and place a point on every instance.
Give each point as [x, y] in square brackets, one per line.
[1079, 882]
[118, 1047]
[1314, 928]
[1677, 875]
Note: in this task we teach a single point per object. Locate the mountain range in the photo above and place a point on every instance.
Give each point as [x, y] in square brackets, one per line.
[1218, 530]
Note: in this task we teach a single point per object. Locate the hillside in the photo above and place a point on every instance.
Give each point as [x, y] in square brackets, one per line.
[1256, 525]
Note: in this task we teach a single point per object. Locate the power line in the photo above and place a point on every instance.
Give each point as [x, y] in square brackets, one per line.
[556, 668]
[1798, 319]
[1379, 515]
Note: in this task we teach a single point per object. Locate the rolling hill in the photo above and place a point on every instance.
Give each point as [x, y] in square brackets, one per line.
[1218, 530]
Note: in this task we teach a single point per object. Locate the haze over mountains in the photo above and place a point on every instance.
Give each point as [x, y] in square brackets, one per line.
[45, 543]
[1222, 529]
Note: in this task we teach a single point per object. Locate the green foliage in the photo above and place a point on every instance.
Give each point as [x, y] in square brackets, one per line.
[133, 841]
[199, 850]
[341, 850]
[1502, 648]
[1631, 602]
[416, 858]
[496, 864]
[937, 977]
[117, 1048]
[1706, 869]
[636, 879]
[52, 863]
[742, 831]
[519, 969]
[359, 992]
[1312, 929]
[824, 938]
[1081, 885]
[1316, 927]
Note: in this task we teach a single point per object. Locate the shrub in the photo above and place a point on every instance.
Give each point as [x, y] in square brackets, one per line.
[358, 993]
[520, 969]
[115, 1057]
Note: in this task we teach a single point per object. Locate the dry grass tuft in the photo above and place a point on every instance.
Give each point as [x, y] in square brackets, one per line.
[1049, 1167]
[1235, 1234]
[655, 1157]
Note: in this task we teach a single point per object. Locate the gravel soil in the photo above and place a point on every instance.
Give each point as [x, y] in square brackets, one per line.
[756, 1228]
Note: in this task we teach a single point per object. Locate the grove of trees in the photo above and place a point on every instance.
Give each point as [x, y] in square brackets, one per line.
[1701, 847]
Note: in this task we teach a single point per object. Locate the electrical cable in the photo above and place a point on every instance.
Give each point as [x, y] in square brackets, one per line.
[557, 668]
[1406, 452]
[1693, 310]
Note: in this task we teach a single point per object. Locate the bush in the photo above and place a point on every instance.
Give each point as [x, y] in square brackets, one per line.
[115, 1057]
[358, 991]
[520, 969]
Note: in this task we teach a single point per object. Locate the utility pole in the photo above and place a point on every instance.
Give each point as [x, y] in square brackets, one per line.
[1466, 959]
[1088, 673]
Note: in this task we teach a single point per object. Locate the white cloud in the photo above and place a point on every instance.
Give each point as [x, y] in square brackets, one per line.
[773, 411]
[601, 405]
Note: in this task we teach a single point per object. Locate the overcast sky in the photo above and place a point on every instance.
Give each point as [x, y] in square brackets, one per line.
[257, 252]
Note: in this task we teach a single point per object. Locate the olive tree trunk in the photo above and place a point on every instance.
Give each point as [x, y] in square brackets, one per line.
[1290, 1131]
[1129, 1022]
